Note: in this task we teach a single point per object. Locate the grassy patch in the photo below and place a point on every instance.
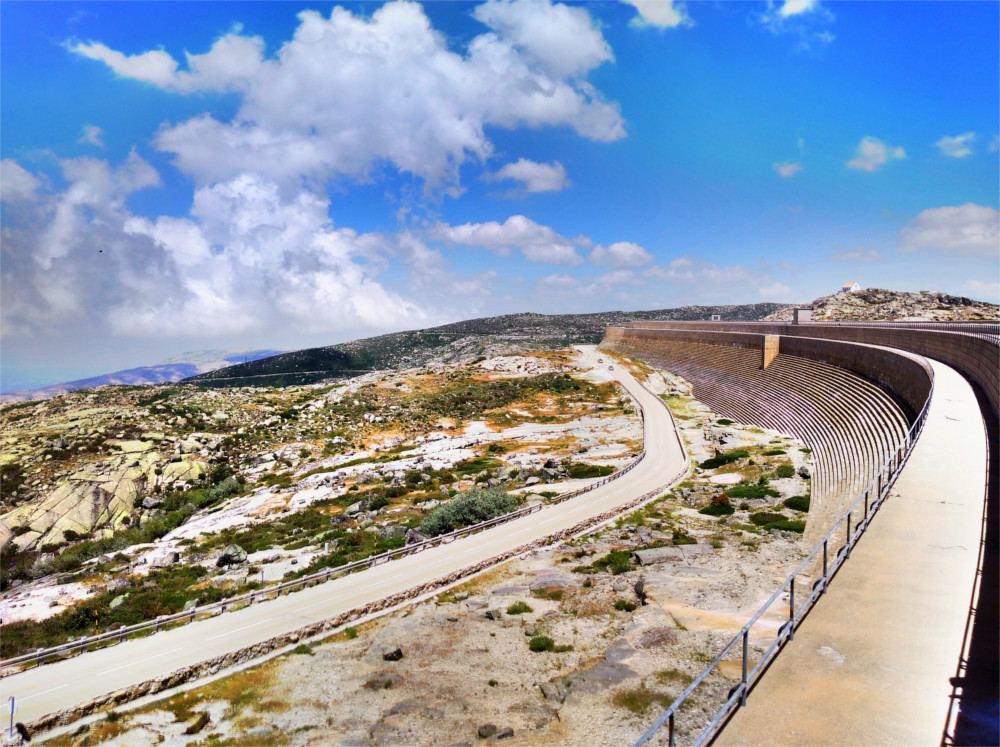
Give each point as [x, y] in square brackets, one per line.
[774, 452]
[615, 562]
[542, 643]
[752, 491]
[519, 608]
[624, 605]
[785, 470]
[797, 502]
[723, 459]
[580, 471]
[639, 699]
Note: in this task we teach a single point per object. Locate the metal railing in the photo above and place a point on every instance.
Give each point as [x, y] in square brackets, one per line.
[79, 646]
[846, 531]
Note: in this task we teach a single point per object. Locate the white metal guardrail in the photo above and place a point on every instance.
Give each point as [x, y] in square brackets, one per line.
[846, 527]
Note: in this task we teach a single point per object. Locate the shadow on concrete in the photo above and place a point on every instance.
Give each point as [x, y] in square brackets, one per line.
[974, 713]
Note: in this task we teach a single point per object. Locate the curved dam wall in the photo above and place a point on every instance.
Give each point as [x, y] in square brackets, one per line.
[971, 349]
[851, 404]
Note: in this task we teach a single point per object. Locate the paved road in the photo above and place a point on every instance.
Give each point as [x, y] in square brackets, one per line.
[73, 681]
[871, 663]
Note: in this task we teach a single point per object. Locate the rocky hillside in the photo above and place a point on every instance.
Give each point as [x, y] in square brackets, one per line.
[881, 305]
[457, 343]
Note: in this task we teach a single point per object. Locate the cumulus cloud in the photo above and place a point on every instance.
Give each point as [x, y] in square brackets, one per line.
[984, 289]
[536, 242]
[860, 254]
[16, 183]
[775, 292]
[92, 135]
[801, 19]
[872, 154]
[957, 146]
[621, 254]
[536, 177]
[246, 259]
[348, 92]
[660, 14]
[964, 229]
[787, 169]
[796, 7]
[711, 283]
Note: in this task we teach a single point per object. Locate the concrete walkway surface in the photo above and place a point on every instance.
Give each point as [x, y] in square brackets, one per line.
[870, 665]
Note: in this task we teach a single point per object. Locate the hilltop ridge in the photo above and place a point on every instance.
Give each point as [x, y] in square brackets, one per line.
[882, 305]
[456, 343]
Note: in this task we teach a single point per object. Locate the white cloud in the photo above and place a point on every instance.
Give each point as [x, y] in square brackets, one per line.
[536, 242]
[661, 14]
[988, 290]
[156, 67]
[563, 41]
[248, 259]
[871, 154]
[994, 144]
[860, 254]
[537, 177]
[712, 283]
[787, 169]
[92, 135]
[560, 280]
[798, 18]
[621, 254]
[795, 7]
[956, 147]
[775, 292]
[16, 183]
[348, 92]
[964, 229]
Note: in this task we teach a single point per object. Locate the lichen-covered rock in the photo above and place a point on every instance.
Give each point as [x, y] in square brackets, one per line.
[232, 555]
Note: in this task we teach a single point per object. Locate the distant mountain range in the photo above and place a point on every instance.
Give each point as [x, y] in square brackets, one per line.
[174, 369]
[456, 343]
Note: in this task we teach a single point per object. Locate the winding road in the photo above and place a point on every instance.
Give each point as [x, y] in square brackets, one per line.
[54, 687]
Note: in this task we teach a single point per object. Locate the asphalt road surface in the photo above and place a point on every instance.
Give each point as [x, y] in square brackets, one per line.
[53, 687]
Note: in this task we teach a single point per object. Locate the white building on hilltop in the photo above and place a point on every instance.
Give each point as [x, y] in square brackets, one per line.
[850, 286]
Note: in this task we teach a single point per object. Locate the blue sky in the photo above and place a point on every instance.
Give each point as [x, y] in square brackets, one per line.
[181, 176]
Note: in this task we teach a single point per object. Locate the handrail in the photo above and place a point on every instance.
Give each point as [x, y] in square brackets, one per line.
[120, 634]
[881, 484]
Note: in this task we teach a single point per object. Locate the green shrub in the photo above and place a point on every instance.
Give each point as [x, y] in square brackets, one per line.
[785, 470]
[711, 510]
[580, 471]
[798, 502]
[723, 459]
[764, 518]
[752, 491]
[788, 525]
[624, 605]
[774, 452]
[544, 643]
[304, 649]
[519, 608]
[492, 682]
[541, 643]
[724, 421]
[680, 537]
[351, 633]
[616, 562]
[469, 508]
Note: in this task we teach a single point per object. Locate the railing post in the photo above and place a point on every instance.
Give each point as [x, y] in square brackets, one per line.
[251, 598]
[670, 729]
[791, 611]
[743, 695]
[824, 567]
[847, 552]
